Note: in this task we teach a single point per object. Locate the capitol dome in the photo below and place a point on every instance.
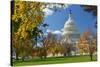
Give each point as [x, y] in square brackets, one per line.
[70, 27]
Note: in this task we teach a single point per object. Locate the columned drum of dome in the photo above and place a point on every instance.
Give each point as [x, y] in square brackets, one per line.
[71, 34]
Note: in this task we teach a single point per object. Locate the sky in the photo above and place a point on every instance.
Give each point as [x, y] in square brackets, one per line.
[82, 19]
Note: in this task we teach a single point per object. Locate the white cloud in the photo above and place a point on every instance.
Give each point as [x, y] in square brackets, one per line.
[57, 32]
[49, 30]
[48, 12]
[54, 31]
[62, 29]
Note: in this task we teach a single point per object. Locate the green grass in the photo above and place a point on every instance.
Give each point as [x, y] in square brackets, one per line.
[54, 60]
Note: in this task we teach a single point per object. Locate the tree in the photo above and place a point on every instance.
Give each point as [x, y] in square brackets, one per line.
[15, 47]
[91, 9]
[49, 43]
[30, 16]
[87, 43]
[66, 47]
[25, 18]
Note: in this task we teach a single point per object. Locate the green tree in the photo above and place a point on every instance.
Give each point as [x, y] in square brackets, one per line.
[91, 9]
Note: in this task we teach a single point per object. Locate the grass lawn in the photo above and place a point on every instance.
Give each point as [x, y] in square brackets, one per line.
[54, 60]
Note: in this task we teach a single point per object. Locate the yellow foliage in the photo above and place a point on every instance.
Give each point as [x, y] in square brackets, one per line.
[30, 16]
[87, 44]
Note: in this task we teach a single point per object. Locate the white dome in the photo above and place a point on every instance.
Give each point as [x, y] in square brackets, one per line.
[70, 27]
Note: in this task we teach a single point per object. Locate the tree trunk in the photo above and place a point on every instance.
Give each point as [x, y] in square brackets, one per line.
[41, 57]
[91, 55]
[45, 55]
[17, 56]
[53, 54]
[23, 58]
[64, 54]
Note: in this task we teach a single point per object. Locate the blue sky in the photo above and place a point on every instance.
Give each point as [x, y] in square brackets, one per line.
[82, 19]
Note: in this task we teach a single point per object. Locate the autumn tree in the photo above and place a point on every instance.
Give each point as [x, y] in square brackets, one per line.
[87, 43]
[67, 47]
[53, 44]
[48, 43]
[25, 19]
[15, 47]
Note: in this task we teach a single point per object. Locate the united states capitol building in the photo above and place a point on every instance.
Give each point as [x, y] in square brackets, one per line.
[71, 35]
